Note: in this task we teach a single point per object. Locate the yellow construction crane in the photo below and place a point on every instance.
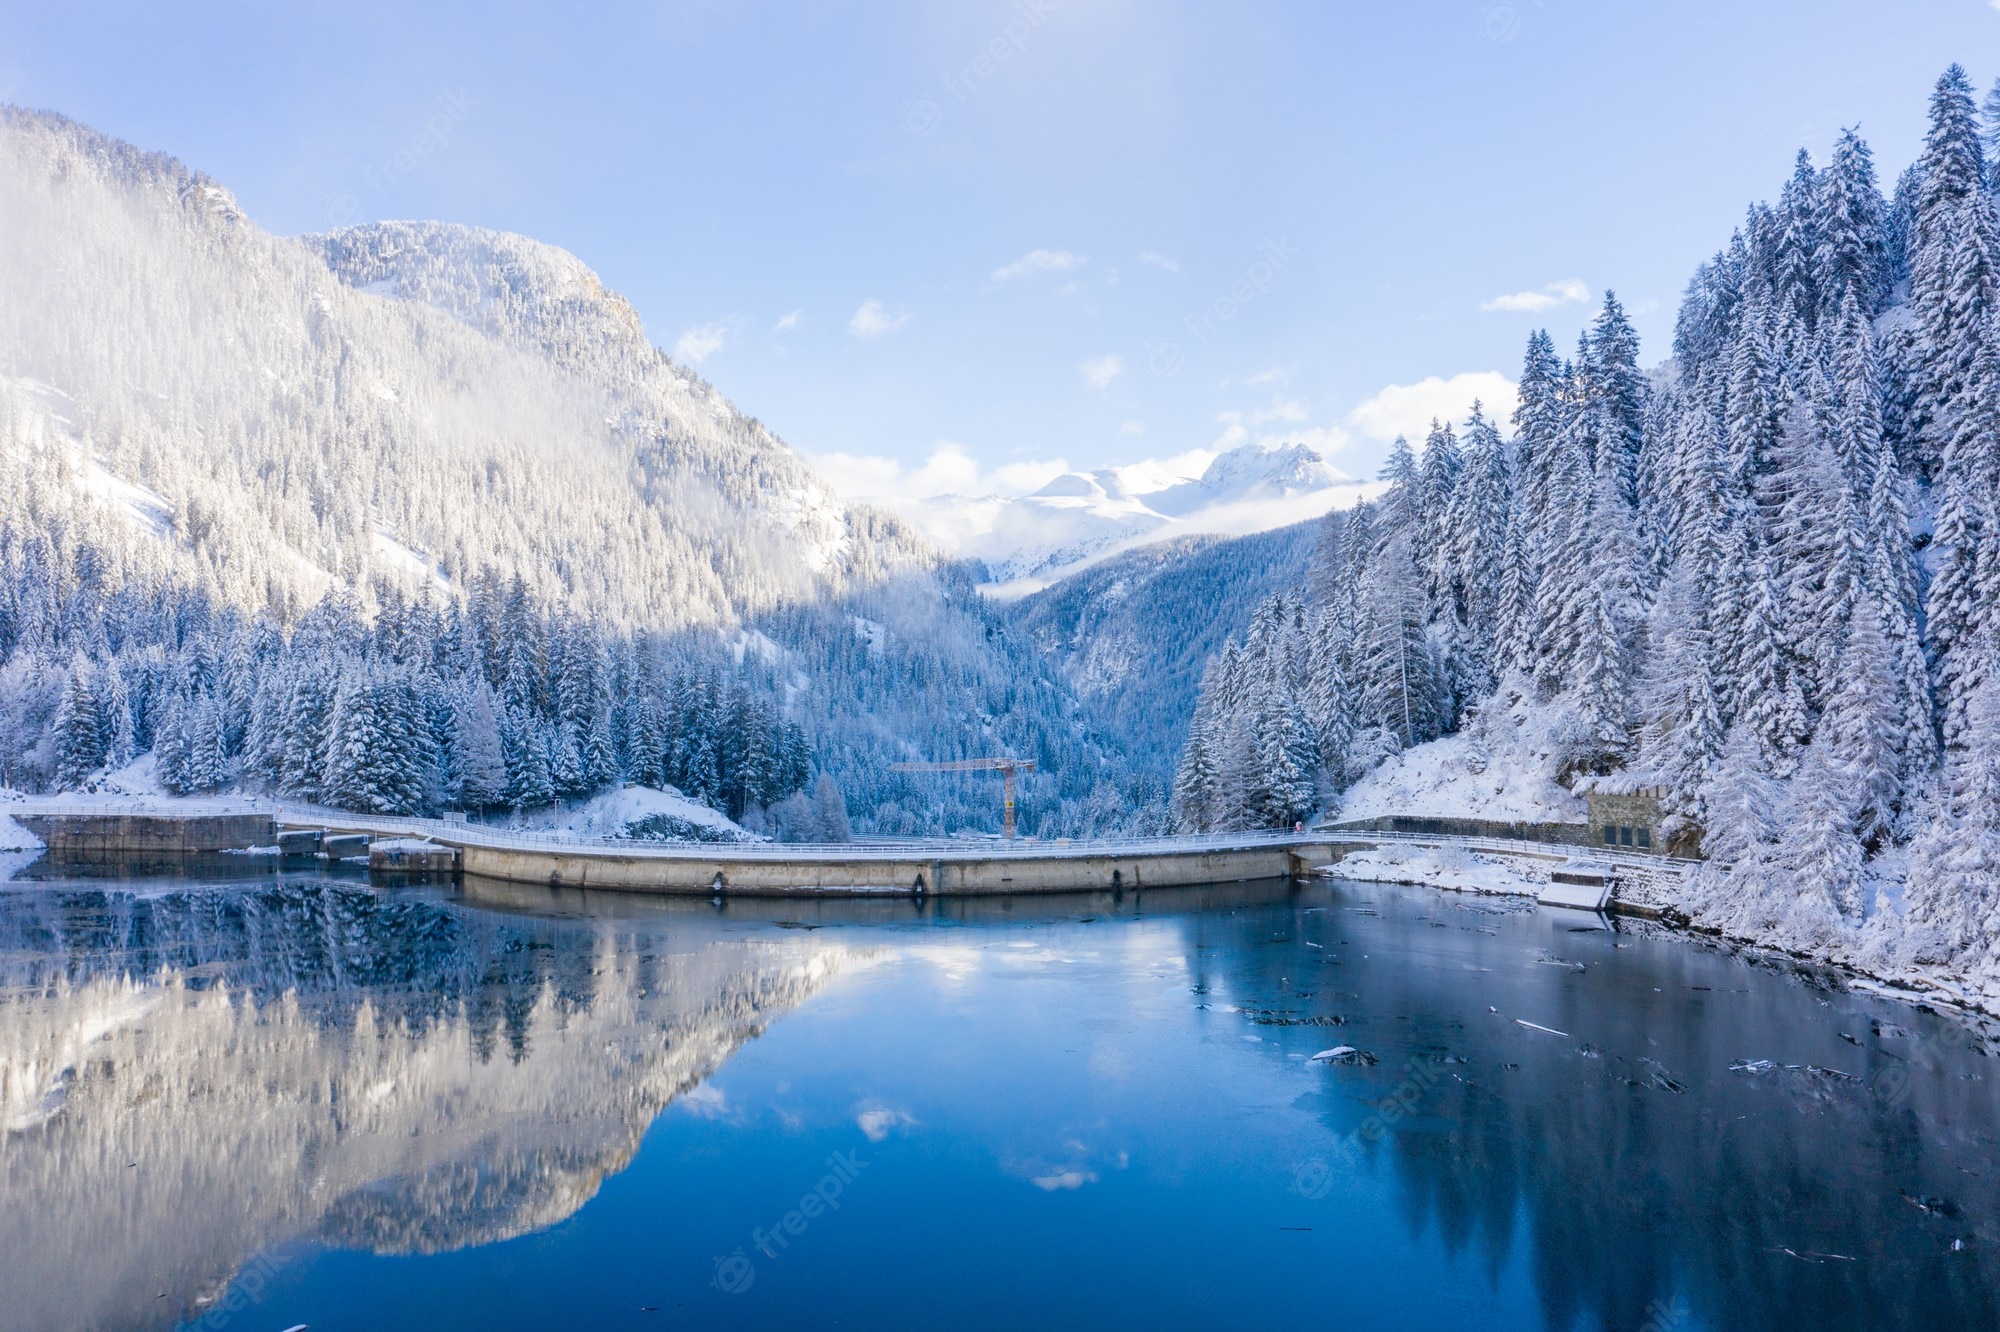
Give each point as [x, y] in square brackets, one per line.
[1006, 767]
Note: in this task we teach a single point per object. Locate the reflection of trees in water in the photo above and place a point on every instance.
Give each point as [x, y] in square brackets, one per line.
[1628, 1196]
[311, 1061]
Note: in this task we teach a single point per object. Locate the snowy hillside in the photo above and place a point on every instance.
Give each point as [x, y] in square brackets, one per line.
[416, 401]
[1030, 541]
[412, 517]
[1502, 765]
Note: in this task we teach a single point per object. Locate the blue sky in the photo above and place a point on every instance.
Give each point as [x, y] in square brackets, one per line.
[958, 245]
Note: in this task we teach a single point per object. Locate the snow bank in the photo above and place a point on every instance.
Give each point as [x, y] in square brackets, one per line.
[13, 837]
[138, 784]
[1502, 766]
[403, 845]
[1453, 868]
[643, 812]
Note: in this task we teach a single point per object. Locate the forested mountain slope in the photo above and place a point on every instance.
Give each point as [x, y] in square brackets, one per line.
[1765, 578]
[1131, 635]
[508, 412]
[412, 516]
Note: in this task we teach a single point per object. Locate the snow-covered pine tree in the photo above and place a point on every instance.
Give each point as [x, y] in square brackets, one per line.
[1853, 261]
[1823, 854]
[80, 743]
[1951, 247]
[478, 764]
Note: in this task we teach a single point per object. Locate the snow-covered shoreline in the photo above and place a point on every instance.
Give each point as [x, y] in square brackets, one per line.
[1859, 958]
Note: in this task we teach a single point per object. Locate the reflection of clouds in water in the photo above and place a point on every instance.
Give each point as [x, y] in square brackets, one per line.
[878, 1123]
[1061, 1172]
[1156, 949]
[707, 1101]
[442, 1078]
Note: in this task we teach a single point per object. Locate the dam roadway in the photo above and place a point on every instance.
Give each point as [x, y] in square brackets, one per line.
[944, 867]
[170, 831]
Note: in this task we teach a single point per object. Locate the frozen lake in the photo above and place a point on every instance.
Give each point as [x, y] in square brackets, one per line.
[266, 1102]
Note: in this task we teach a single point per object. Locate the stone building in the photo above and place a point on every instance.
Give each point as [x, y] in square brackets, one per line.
[1624, 812]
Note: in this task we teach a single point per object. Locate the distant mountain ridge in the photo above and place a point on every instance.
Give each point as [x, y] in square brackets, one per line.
[1028, 542]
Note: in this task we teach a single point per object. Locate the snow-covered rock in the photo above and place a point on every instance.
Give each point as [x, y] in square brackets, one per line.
[645, 813]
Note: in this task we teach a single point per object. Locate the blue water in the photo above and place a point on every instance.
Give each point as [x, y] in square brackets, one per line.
[309, 1101]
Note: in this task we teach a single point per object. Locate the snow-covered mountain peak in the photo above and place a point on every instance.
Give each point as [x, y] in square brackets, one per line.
[1251, 472]
[1029, 541]
[1286, 467]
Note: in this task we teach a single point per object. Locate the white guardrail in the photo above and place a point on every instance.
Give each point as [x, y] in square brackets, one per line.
[503, 837]
[1582, 853]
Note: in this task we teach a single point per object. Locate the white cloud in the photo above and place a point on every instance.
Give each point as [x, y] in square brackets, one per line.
[1064, 1179]
[872, 321]
[1131, 427]
[698, 344]
[877, 1124]
[1190, 464]
[1037, 262]
[949, 470]
[1407, 409]
[788, 321]
[1277, 374]
[1098, 372]
[1157, 260]
[1567, 291]
[1021, 478]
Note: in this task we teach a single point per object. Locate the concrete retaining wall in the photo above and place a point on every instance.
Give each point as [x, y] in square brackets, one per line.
[104, 836]
[969, 875]
[1558, 834]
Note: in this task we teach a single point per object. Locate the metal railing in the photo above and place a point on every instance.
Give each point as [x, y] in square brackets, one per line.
[1581, 855]
[920, 848]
